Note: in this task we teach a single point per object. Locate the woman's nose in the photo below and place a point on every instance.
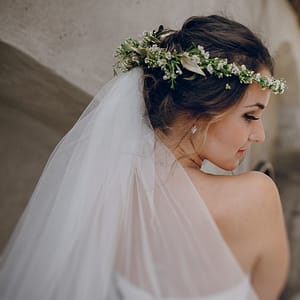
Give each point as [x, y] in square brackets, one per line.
[258, 133]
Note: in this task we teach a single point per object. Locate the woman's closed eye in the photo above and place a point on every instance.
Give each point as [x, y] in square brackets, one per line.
[250, 117]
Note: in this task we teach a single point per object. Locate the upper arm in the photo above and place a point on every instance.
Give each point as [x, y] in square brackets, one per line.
[271, 268]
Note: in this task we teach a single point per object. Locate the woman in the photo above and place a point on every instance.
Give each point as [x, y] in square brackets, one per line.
[122, 210]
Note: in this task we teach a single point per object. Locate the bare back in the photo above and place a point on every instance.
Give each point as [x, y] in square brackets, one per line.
[248, 213]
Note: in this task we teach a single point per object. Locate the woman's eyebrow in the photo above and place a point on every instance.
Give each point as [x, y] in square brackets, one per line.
[259, 105]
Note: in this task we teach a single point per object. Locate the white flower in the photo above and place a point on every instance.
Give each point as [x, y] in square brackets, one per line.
[168, 55]
[221, 64]
[271, 81]
[154, 48]
[277, 84]
[206, 55]
[235, 69]
[257, 76]
[229, 67]
[195, 59]
[282, 85]
[210, 68]
[161, 62]
[135, 58]
[243, 68]
[200, 48]
[227, 86]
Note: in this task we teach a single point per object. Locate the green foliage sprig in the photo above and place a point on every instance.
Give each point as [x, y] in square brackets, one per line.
[146, 52]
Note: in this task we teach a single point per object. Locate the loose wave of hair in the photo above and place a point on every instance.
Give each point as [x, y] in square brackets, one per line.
[205, 97]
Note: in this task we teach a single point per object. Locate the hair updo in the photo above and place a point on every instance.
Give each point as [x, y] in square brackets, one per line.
[204, 97]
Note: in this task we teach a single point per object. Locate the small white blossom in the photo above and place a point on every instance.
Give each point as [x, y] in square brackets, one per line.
[229, 67]
[210, 69]
[257, 76]
[227, 86]
[195, 59]
[135, 59]
[168, 55]
[235, 69]
[132, 53]
[221, 64]
[201, 48]
[271, 81]
[243, 68]
[161, 62]
[277, 84]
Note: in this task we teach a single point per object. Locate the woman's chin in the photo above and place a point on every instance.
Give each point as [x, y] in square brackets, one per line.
[232, 165]
[226, 166]
[229, 168]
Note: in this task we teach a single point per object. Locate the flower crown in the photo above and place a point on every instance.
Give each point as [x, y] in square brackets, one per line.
[146, 52]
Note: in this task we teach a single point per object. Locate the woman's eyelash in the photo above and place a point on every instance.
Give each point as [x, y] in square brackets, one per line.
[250, 117]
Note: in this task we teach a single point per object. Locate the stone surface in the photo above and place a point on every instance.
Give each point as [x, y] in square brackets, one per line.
[77, 38]
[36, 108]
[288, 180]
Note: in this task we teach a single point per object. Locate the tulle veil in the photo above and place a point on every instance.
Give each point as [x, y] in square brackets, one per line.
[115, 216]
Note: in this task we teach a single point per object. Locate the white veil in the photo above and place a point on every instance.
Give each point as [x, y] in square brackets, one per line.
[115, 216]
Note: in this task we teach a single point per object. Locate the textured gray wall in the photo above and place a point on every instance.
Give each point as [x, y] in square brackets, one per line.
[77, 38]
[56, 53]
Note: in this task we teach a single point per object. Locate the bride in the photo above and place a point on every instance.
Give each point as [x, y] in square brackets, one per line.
[122, 209]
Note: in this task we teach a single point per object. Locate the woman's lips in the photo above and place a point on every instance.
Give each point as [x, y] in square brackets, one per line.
[242, 151]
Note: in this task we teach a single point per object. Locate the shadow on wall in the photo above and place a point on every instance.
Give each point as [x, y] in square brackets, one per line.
[287, 161]
[37, 108]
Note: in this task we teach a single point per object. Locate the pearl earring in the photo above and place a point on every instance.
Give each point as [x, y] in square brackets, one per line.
[194, 129]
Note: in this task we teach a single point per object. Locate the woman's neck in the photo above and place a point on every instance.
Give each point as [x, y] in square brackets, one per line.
[183, 150]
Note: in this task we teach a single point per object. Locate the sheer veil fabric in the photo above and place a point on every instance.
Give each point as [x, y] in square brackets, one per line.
[115, 216]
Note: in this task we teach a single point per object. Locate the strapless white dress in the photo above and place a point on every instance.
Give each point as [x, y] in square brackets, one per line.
[123, 289]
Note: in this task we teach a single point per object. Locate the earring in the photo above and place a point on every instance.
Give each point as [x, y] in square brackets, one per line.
[194, 129]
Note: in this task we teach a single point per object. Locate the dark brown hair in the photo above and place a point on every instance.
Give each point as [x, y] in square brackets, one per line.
[204, 97]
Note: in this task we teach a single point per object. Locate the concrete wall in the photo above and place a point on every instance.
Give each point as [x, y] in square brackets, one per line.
[55, 54]
[77, 39]
[36, 108]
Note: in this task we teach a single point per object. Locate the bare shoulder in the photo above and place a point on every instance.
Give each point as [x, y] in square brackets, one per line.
[254, 195]
[260, 181]
[248, 211]
[251, 201]
[248, 192]
[271, 268]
